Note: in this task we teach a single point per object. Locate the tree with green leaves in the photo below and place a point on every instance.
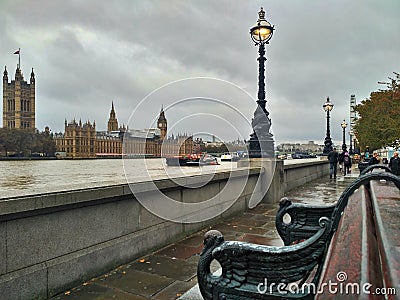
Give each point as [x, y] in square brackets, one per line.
[378, 124]
[25, 142]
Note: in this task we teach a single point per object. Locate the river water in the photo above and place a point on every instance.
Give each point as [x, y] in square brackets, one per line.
[25, 177]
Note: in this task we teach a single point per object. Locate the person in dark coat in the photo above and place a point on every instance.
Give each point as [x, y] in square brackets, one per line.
[394, 163]
[346, 163]
[333, 160]
[374, 160]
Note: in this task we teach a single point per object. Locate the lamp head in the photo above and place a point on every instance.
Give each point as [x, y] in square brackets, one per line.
[344, 124]
[328, 106]
[262, 31]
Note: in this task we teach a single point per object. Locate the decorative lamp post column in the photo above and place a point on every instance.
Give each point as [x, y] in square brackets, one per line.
[328, 106]
[261, 143]
[351, 141]
[344, 125]
[355, 146]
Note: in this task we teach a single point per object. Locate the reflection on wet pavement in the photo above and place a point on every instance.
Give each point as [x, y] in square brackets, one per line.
[170, 272]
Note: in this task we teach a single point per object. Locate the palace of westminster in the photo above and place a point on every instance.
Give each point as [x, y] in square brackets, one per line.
[81, 140]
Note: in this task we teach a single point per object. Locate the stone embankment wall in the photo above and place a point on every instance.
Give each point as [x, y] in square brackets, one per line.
[52, 242]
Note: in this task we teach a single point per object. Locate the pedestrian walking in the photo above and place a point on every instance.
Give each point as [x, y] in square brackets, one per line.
[394, 163]
[346, 163]
[340, 160]
[333, 160]
[374, 159]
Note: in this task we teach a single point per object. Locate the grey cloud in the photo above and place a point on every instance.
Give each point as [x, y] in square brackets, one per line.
[87, 54]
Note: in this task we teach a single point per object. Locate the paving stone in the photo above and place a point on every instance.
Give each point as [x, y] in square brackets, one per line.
[181, 251]
[259, 239]
[97, 292]
[258, 217]
[177, 269]
[248, 221]
[176, 290]
[194, 240]
[239, 228]
[137, 282]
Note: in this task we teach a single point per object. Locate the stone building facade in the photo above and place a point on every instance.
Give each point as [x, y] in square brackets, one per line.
[78, 140]
[83, 141]
[18, 101]
[311, 147]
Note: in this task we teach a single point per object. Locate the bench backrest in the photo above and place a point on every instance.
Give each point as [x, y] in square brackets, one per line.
[358, 261]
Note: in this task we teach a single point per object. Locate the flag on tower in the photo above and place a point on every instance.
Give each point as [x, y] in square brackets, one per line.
[19, 57]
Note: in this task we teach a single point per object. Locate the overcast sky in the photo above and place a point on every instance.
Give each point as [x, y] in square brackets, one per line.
[145, 54]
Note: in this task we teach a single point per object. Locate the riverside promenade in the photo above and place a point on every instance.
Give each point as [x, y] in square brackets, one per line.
[170, 273]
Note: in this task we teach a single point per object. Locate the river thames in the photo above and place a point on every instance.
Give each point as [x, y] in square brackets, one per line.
[25, 177]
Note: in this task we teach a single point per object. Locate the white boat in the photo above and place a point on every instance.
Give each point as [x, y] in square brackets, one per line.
[230, 156]
[226, 157]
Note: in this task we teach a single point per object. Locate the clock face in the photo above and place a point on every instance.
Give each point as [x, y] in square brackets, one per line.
[159, 124]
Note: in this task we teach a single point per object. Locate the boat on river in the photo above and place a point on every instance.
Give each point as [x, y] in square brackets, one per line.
[230, 156]
[194, 159]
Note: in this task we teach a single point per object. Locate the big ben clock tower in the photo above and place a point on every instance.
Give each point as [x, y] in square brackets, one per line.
[162, 124]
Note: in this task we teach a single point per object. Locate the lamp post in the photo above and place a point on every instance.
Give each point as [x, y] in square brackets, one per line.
[355, 146]
[350, 141]
[261, 143]
[344, 125]
[328, 106]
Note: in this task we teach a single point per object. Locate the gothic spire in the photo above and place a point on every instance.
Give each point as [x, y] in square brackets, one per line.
[112, 121]
[32, 77]
[162, 115]
[5, 74]
[112, 112]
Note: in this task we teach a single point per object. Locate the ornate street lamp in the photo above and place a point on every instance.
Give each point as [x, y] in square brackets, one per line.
[350, 141]
[261, 143]
[355, 145]
[344, 125]
[328, 106]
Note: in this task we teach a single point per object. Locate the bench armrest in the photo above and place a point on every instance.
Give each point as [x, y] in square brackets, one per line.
[298, 221]
[247, 267]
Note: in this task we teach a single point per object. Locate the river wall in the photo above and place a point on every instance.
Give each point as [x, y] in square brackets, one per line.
[52, 242]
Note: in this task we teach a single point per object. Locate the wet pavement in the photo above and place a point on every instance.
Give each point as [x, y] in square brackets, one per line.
[170, 273]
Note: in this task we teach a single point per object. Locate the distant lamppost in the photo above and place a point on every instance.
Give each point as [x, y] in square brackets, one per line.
[344, 125]
[328, 106]
[261, 143]
[355, 145]
[351, 139]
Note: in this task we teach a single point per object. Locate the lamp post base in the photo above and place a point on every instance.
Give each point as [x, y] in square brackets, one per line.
[261, 148]
[326, 151]
[327, 146]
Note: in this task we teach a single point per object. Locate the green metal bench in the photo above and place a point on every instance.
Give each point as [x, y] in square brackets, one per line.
[252, 271]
